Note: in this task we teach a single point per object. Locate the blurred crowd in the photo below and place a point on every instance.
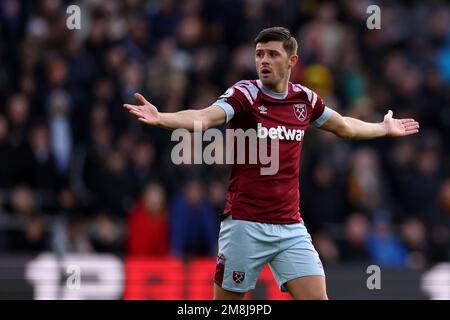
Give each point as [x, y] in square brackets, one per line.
[78, 174]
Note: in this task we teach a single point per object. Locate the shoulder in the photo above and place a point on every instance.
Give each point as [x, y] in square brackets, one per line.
[248, 88]
[310, 94]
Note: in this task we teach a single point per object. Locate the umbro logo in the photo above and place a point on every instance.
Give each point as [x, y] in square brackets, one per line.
[262, 110]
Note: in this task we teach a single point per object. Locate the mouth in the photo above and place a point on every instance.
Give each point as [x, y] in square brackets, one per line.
[265, 72]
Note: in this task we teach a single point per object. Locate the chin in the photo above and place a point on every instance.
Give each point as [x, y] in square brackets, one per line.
[267, 82]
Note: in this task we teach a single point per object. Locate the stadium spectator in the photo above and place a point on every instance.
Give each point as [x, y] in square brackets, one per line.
[147, 224]
[106, 235]
[353, 246]
[44, 173]
[194, 226]
[143, 165]
[32, 239]
[385, 247]
[414, 236]
[60, 130]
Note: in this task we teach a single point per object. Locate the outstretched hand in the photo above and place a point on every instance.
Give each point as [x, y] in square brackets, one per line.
[144, 111]
[399, 127]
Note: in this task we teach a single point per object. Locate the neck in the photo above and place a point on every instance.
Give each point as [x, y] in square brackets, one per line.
[280, 87]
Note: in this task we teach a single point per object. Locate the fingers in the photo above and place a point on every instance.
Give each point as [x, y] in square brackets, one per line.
[411, 125]
[136, 113]
[409, 132]
[134, 110]
[140, 98]
[389, 114]
[131, 107]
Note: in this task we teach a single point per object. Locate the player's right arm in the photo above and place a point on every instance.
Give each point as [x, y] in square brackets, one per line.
[147, 113]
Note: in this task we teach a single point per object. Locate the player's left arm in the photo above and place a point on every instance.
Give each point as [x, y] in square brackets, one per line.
[351, 128]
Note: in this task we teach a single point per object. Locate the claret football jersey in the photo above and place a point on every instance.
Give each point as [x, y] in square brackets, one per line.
[269, 198]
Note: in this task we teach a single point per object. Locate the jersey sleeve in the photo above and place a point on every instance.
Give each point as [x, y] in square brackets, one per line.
[321, 113]
[234, 101]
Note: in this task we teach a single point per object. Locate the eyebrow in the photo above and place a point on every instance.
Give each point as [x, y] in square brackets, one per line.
[270, 50]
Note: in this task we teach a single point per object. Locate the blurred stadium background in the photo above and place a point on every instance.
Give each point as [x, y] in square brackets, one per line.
[87, 191]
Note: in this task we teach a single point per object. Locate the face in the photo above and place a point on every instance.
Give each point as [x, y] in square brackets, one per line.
[273, 63]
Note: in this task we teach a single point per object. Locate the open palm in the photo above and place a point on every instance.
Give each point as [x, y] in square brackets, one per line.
[145, 111]
[399, 127]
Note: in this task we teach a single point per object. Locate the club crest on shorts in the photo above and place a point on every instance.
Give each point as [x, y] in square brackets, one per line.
[238, 276]
[300, 111]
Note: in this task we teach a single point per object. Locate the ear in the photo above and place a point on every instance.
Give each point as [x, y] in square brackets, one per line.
[293, 61]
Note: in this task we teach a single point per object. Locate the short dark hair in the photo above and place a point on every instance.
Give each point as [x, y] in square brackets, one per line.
[278, 34]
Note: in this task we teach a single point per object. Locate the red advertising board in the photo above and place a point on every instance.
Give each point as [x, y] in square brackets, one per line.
[170, 278]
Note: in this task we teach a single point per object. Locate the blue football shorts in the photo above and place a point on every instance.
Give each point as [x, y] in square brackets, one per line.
[245, 247]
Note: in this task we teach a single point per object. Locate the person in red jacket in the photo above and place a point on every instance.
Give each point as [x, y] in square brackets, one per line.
[148, 229]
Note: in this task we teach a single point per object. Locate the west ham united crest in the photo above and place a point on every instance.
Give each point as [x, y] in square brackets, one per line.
[238, 276]
[300, 111]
